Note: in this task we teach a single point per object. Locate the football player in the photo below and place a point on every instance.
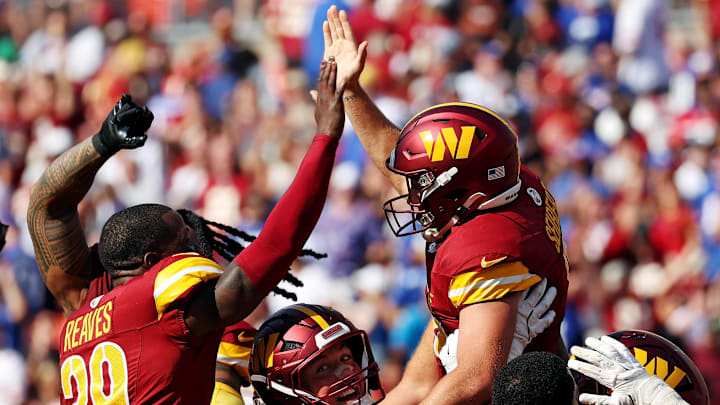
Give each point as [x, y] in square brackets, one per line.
[491, 226]
[311, 354]
[147, 330]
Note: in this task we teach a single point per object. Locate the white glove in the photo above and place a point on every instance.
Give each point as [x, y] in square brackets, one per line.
[448, 353]
[533, 316]
[611, 364]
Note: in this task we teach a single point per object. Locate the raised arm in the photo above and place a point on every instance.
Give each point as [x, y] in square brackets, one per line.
[377, 134]
[60, 246]
[261, 266]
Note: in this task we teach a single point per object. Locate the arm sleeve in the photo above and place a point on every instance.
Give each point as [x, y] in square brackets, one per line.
[235, 347]
[267, 260]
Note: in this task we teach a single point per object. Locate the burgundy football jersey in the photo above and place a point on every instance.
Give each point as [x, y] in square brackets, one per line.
[131, 345]
[499, 251]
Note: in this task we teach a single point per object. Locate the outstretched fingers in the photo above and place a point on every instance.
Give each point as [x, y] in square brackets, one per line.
[361, 54]
[331, 15]
[335, 25]
[322, 78]
[621, 350]
[327, 36]
[592, 399]
[603, 348]
[536, 292]
[347, 31]
[332, 74]
[587, 369]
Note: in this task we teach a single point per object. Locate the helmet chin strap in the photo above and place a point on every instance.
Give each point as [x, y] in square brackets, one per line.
[506, 197]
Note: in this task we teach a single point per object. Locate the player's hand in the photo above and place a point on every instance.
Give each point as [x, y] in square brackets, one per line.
[340, 43]
[533, 316]
[329, 110]
[610, 363]
[124, 127]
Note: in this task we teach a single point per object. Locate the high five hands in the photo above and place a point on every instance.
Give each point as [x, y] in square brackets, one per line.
[341, 44]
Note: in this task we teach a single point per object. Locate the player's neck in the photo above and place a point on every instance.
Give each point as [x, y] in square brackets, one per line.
[123, 276]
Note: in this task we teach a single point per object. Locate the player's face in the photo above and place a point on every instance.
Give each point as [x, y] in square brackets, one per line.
[333, 365]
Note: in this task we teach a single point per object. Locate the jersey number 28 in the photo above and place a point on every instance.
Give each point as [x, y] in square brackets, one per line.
[108, 379]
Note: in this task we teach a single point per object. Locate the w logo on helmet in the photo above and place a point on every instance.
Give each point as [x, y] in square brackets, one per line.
[658, 367]
[447, 138]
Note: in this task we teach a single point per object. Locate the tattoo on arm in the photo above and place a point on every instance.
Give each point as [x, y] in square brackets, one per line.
[53, 219]
[350, 97]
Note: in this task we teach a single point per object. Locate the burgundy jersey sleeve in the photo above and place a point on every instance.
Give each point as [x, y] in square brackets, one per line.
[235, 346]
[178, 277]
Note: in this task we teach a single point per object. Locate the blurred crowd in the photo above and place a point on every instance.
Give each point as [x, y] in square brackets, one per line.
[616, 104]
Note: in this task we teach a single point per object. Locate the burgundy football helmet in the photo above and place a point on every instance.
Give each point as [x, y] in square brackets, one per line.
[292, 338]
[456, 158]
[661, 358]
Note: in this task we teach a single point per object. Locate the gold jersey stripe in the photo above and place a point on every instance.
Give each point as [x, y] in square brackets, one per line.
[233, 361]
[473, 287]
[461, 283]
[495, 292]
[172, 281]
[234, 351]
[312, 314]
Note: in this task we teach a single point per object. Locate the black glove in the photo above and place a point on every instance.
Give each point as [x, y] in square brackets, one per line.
[124, 127]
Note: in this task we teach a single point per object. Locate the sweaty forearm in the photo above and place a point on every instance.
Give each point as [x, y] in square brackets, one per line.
[376, 133]
[268, 258]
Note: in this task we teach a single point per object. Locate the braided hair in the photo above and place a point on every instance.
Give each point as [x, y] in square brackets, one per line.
[223, 240]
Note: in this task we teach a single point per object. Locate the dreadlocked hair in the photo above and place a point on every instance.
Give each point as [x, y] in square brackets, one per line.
[217, 240]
